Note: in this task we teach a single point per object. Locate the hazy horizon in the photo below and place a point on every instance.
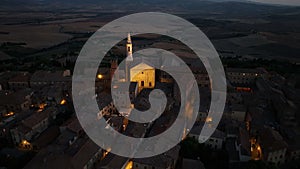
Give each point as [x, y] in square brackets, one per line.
[283, 2]
[278, 2]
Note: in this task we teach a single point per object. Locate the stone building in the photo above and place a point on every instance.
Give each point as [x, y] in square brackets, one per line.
[166, 160]
[215, 141]
[242, 77]
[16, 101]
[20, 81]
[43, 78]
[33, 125]
[273, 146]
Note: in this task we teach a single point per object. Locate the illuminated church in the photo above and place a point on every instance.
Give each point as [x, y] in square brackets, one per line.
[139, 69]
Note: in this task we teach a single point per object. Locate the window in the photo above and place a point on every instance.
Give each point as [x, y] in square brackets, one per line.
[128, 49]
[150, 84]
[142, 83]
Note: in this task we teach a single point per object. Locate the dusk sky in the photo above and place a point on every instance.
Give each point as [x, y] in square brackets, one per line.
[286, 2]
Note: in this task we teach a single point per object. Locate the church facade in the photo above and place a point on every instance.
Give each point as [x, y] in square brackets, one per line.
[138, 70]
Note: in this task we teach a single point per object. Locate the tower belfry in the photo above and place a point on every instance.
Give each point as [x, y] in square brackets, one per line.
[129, 48]
[129, 57]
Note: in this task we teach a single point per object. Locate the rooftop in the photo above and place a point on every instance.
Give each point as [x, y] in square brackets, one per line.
[37, 117]
[189, 163]
[23, 77]
[238, 107]
[245, 70]
[244, 141]
[74, 126]
[47, 76]
[164, 160]
[54, 156]
[14, 98]
[217, 134]
[231, 149]
[271, 140]
[88, 150]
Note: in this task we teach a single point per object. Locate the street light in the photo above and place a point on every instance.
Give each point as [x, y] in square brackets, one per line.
[63, 101]
[99, 76]
[258, 148]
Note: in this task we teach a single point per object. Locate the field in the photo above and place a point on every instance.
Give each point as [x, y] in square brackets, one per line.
[258, 32]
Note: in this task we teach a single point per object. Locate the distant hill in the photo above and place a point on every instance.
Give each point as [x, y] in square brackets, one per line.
[85, 2]
[240, 7]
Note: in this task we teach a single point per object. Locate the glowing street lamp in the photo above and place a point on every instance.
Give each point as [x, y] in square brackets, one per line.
[41, 107]
[129, 165]
[9, 114]
[63, 101]
[99, 76]
[209, 119]
[25, 142]
[25, 145]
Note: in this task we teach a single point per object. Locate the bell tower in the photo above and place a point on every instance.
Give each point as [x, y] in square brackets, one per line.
[129, 48]
[129, 57]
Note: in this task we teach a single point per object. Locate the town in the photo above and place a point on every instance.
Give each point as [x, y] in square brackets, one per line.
[39, 127]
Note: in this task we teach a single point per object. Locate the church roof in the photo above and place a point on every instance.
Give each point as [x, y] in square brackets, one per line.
[142, 66]
[150, 61]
